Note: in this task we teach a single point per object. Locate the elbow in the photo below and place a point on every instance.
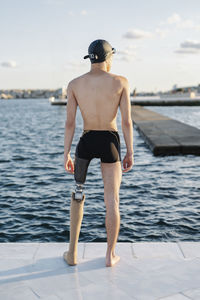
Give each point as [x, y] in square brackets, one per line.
[127, 123]
[69, 124]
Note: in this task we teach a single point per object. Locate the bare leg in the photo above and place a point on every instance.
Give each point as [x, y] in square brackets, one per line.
[112, 174]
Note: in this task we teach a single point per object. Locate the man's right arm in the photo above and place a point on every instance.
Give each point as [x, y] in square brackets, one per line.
[126, 121]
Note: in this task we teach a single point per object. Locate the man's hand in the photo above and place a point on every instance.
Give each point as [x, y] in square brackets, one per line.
[127, 162]
[69, 165]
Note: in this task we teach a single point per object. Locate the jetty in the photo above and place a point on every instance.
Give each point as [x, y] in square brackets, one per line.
[146, 271]
[165, 101]
[163, 135]
[147, 101]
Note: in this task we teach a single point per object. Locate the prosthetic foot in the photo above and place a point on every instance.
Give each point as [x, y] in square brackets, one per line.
[76, 216]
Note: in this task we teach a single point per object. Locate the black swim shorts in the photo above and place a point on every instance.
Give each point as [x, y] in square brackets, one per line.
[103, 144]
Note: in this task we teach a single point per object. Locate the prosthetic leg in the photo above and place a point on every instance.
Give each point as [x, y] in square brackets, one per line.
[76, 209]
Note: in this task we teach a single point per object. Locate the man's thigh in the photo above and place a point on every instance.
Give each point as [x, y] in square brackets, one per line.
[112, 176]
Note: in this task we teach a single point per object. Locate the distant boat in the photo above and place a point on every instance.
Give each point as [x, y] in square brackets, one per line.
[56, 101]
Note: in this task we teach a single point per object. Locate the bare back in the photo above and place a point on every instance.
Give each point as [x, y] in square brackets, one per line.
[98, 97]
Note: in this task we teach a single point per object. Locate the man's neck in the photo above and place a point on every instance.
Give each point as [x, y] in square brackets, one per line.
[98, 67]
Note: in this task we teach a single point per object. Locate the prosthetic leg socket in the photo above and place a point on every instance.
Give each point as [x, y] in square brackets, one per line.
[76, 216]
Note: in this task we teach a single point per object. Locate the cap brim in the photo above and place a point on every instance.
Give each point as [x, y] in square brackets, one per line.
[86, 56]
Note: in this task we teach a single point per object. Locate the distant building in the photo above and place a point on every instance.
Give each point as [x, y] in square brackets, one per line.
[64, 91]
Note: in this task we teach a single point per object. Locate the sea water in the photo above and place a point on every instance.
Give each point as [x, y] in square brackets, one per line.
[159, 196]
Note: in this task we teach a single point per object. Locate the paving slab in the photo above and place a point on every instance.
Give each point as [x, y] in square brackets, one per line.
[157, 249]
[190, 249]
[146, 270]
[165, 136]
[192, 294]
[175, 297]
[17, 293]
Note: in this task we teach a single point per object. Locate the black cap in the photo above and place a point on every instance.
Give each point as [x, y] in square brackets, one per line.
[98, 51]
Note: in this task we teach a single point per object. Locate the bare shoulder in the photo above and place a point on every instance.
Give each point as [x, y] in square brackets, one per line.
[73, 83]
[120, 79]
[123, 80]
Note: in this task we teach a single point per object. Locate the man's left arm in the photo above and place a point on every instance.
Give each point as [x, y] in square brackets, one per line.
[70, 124]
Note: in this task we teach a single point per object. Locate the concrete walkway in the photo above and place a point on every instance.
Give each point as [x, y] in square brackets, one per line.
[146, 270]
[165, 101]
[166, 136]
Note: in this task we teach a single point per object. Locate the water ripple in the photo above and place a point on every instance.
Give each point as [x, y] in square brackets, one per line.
[159, 197]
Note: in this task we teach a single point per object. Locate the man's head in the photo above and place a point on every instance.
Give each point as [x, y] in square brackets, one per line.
[100, 51]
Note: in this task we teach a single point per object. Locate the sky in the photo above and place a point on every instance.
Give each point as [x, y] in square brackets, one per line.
[43, 41]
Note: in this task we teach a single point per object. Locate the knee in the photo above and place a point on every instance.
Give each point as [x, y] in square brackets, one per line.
[112, 202]
[111, 194]
[113, 211]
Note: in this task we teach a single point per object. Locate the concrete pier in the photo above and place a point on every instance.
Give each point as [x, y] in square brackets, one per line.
[165, 136]
[166, 101]
[146, 271]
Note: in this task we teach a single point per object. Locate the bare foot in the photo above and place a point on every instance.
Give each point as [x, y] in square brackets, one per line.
[69, 258]
[111, 260]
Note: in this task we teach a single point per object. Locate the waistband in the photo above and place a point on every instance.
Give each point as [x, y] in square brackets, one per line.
[101, 133]
[116, 131]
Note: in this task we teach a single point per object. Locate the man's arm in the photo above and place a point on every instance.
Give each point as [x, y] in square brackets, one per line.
[70, 123]
[126, 120]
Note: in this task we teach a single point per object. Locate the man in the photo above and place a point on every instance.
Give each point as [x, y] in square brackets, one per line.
[98, 94]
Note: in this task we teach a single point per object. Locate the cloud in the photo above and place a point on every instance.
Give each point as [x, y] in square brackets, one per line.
[141, 34]
[186, 24]
[82, 13]
[180, 23]
[174, 19]
[54, 1]
[161, 32]
[189, 47]
[191, 44]
[128, 54]
[74, 65]
[70, 13]
[137, 34]
[186, 51]
[8, 64]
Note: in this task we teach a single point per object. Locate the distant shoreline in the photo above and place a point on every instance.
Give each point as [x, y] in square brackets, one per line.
[30, 93]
